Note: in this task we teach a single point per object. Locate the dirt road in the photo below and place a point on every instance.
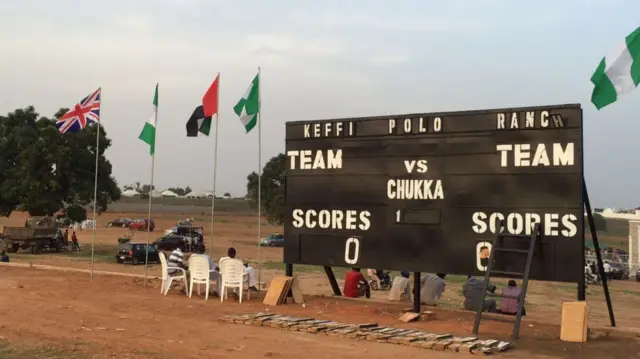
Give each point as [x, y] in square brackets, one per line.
[56, 314]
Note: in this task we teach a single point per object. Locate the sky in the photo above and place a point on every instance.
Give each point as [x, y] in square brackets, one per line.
[322, 59]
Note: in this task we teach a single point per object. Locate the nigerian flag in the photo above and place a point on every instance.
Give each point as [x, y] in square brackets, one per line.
[617, 74]
[249, 105]
[148, 134]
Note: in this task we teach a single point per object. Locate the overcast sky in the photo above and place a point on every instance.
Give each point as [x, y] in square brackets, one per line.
[319, 59]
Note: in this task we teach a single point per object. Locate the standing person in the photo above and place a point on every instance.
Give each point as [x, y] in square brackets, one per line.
[4, 257]
[472, 291]
[607, 270]
[65, 237]
[355, 285]
[75, 246]
[401, 287]
[431, 288]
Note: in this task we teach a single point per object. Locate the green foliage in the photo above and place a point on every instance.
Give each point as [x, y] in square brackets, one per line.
[272, 187]
[43, 171]
[76, 213]
[180, 191]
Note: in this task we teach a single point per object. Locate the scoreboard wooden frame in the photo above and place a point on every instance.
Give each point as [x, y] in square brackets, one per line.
[424, 192]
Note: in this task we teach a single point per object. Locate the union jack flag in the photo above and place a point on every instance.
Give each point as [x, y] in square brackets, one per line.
[84, 113]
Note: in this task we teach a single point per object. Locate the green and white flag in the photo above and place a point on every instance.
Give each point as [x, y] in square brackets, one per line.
[249, 105]
[148, 134]
[617, 74]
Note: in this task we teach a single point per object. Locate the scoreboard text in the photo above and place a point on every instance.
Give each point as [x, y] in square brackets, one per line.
[426, 192]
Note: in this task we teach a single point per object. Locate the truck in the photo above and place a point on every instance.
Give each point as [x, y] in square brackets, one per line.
[37, 234]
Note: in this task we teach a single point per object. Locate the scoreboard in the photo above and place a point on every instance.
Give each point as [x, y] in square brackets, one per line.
[426, 192]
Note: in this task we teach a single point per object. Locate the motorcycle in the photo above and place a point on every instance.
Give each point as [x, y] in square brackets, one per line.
[593, 279]
[384, 279]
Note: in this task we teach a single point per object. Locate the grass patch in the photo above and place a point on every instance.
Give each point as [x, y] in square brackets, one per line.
[102, 253]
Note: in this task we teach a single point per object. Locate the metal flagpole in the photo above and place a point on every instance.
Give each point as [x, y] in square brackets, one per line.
[153, 163]
[259, 178]
[95, 192]
[215, 167]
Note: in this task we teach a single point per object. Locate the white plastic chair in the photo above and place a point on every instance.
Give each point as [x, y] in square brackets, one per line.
[199, 274]
[232, 272]
[167, 278]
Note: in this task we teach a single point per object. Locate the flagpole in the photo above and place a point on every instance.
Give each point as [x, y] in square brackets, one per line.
[153, 163]
[259, 178]
[95, 192]
[215, 167]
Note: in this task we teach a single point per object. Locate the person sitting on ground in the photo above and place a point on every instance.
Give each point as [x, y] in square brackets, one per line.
[355, 285]
[4, 257]
[472, 291]
[431, 288]
[401, 287]
[251, 274]
[509, 304]
[373, 276]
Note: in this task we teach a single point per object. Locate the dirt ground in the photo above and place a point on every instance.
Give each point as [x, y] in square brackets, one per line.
[61, 314]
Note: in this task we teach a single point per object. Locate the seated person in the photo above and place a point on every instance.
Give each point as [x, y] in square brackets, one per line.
[401, 287]
[4, 257]
[472, 291]
[251, 274]
[355, 285]
[510, 305]
[176, 259]
[373, 275]
[431, 288]
[383, 277]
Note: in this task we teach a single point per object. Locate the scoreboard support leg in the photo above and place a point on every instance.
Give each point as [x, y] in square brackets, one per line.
[416, 292]
[596, 247]
[332, 280]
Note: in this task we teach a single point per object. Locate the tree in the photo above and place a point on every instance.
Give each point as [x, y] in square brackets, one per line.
[272, 189]
[226, 195]
[127, 187]
[180, 191]
[43, 171]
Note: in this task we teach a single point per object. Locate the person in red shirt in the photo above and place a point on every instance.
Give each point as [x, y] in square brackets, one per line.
[355, 285]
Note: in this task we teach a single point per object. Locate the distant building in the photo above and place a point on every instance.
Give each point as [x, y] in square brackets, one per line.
[130, 193]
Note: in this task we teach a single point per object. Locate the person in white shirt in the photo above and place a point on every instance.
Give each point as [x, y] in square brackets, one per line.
[431, 288]
[401, 287]
[251, 277]
[607, 270]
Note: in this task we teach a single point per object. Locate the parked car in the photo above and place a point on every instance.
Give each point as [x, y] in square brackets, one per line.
[135, 253]
[142, 224]
[619, 270]
[120, 222]
[169, 242]
[274, 240]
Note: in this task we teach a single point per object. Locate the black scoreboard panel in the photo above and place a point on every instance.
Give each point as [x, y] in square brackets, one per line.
[425, 192]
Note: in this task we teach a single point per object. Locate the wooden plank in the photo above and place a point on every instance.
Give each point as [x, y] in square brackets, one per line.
[298, 298]
[275, 290]
[574, 322]
[285, 291]
[409, 317]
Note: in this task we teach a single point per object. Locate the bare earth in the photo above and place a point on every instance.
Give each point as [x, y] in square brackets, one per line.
[53, 314]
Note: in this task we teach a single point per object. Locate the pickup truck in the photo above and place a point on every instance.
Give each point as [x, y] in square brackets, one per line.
[35, 235]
